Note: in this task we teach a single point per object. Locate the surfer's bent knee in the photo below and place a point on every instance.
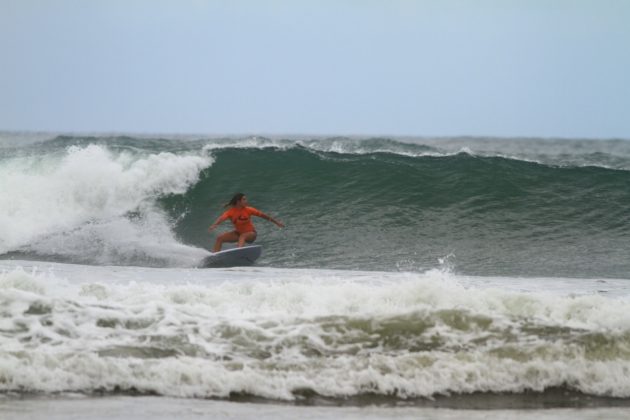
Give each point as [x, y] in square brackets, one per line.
[249, 236]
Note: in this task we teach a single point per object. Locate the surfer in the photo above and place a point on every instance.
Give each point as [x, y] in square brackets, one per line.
[240, 215]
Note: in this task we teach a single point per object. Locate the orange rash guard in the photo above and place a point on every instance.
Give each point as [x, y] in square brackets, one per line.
[242, 218]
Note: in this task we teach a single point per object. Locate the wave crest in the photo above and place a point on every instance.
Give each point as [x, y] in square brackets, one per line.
[59, 200]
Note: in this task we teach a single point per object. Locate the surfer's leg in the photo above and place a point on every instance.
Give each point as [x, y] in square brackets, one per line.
[225, 237]
[248, 237]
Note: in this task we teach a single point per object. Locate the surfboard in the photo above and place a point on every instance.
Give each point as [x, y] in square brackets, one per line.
[233, 257]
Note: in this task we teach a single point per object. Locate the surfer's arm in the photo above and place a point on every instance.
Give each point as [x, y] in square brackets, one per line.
[271, 219]
[219, 220]
[258, 213]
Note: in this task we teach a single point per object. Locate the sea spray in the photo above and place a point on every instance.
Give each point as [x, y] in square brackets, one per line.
[91, 204]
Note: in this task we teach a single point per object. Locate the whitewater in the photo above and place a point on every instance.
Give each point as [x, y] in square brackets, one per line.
[282, 334]
[457, 272]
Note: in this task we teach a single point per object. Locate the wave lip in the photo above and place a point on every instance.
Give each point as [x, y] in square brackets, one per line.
[608, 154]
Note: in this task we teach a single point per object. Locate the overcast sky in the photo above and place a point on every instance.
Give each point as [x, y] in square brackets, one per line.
[549, 68]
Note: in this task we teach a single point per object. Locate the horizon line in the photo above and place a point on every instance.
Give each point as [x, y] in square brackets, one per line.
[104, 133]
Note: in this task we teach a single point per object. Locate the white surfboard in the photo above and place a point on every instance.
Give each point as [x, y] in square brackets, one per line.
[233, 257]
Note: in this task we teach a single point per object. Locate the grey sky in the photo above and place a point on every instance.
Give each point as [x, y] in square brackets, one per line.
[500, 68]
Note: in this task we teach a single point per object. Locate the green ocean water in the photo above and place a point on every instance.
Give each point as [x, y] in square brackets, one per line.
[518, 207]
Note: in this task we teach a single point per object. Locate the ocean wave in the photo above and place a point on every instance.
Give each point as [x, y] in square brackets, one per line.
[128, 200]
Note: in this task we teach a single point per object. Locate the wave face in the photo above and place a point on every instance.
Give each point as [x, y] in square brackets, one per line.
[484, 206]
[293, 334]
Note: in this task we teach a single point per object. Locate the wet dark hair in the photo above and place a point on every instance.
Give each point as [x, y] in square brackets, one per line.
[235, 199]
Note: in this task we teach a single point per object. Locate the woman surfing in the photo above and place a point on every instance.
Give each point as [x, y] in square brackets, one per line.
[240, 215]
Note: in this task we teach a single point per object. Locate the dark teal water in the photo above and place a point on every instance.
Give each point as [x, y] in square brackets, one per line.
[518, 207]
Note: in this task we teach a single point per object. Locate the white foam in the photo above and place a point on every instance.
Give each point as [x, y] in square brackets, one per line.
[80, 197]
[270, 332]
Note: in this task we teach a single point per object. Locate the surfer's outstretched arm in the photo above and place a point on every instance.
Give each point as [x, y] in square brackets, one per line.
[219, 220]
[271, 219]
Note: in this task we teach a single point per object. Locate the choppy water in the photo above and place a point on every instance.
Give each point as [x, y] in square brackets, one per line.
[409, 268]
